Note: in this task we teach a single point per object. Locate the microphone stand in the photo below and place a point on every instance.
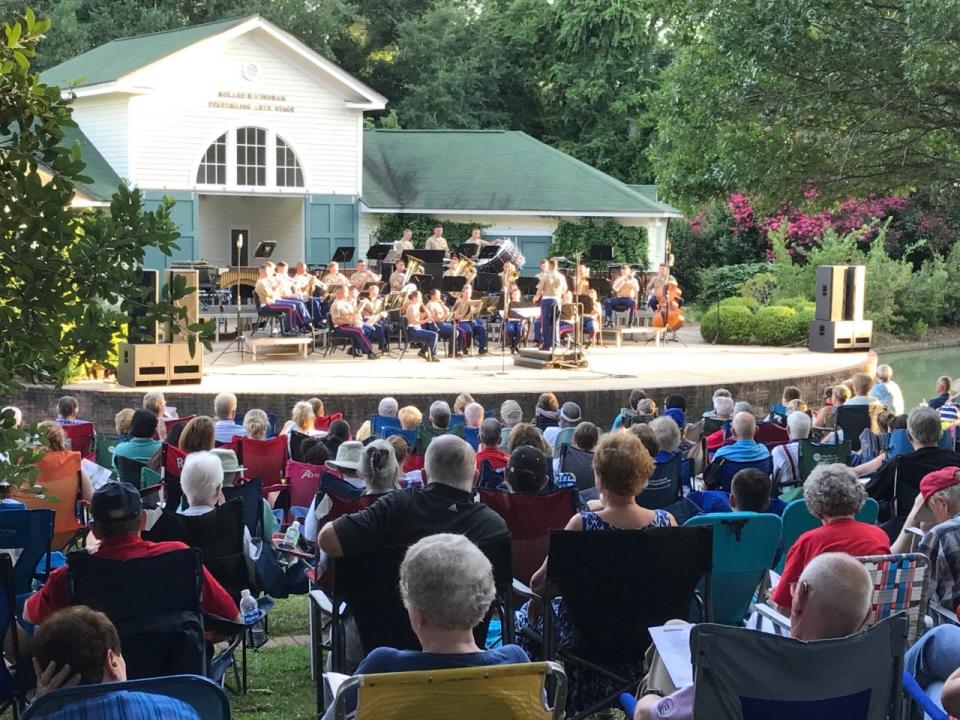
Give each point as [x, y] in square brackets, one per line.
[239, 343]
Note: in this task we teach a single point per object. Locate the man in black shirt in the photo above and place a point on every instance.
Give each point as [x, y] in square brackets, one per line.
[444, 505]
[897, 482]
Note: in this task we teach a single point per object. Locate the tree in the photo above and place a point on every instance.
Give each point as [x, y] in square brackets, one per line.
[771, 97]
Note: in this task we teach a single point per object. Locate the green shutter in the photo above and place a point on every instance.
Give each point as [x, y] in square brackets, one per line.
[331, 222]
[184, 216]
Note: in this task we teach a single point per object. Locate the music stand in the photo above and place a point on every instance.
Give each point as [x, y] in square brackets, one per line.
[343, 254]
[486, 282]
[601, 252]
[427, 257]
[452, 283]
[377, 253]
[488, 252]
[239, 343]
[422, 282]
[528, 286]
[469, 249]
[265, 249]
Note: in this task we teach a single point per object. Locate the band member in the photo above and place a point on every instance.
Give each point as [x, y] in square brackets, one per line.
[549, 290]
[417, 321]
[266, 292]
[289, 288]
[284, 293]
[397, 276]
[373, 316]
[475, 239]
[440, 316]
[474, 329]
[348, 323]
[626, 290]
[333, 277]
[363, 275]
[514, 324]
[587, 322]
[657, 283]
[507, 283]
[584, 273]
[591, 320]
[437, 241]
[404, 243]
[303, 282]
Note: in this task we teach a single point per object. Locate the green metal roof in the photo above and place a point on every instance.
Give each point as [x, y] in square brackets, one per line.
[105, 180]
[494, 170]
[117, 58]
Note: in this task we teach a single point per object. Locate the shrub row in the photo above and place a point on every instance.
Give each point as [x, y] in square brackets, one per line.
[738, 321]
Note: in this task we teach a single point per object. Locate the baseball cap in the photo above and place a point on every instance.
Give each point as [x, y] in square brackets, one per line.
[526, 461]
[115, 501]
[939, 480]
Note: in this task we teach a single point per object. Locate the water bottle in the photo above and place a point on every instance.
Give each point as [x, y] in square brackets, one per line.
[249, 609]
[292, 536]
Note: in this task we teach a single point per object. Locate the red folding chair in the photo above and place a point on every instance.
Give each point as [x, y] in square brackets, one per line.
[530, 518]
[303, 482]
[264, 459]
[171, 467]
[170, 423]
[83, 439]
[322, 422]
[770, 434]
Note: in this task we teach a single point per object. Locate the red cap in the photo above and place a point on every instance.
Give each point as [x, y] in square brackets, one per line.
[939, 480]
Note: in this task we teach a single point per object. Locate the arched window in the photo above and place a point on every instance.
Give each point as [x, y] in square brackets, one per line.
[213, 166]
[251, 156]
[289, 173]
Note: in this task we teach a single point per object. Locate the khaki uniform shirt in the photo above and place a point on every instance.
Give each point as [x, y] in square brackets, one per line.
[265, 291]
[332, 280]
[359, 279]
[343, 312]
[626, 287]
[656, 283]
[552, 284]
[436, 243]
[438, 311]
[396, 280]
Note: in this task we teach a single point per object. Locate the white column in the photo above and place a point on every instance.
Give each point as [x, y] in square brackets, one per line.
[656, 242]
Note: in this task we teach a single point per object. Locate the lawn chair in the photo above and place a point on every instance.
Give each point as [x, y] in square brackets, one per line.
[712, 424]
[172, 459]
[323, 422]
[425, 434]
[12, 690]
[851, 421]
[296, 442]
[719, 473]
[498, 691]
[155, 604]
[104, 453]
[379, 423]
[206, 698]
[810, 454]
[472, 436]
[580, 463]
[264, 459]
[60, 479]
[749, 675]
[129, 470]
[530, 518]
[797, 520]
[744, 545]
[457, 421]
[898, 444]
[303, 482]
[663, 489]
[170, 423]
[250, 493]
[612, 627]
[83, 439]
[770, 435]
[30, 532]
[272, 422]
[564, 437]
[410, 436]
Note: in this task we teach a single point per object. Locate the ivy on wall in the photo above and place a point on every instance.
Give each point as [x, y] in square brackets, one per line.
[629, 243]
[391, 228]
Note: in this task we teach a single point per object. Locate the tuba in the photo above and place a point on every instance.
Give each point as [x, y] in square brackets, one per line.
[414, 267]
[464, 267]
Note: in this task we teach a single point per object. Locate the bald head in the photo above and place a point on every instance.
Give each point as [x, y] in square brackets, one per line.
[744, 426]
[832, 598]
[450, 461]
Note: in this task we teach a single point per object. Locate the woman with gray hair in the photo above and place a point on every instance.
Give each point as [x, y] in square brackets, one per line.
[834, 495]
[378, 468]
[447, 586]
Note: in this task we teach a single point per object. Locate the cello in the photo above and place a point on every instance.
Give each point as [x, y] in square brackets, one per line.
[668, 312]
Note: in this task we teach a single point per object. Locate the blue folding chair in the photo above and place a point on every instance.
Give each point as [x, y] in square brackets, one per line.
[744, 545]
[899, 444]
[204, 696]
[457, 421]
[797, 520]
[12, 694]
[663, 487]
[926, 703]
[251, 493]
[410, 436]
[379, 423]
[721, 476]
[30, 532]
[472, 436]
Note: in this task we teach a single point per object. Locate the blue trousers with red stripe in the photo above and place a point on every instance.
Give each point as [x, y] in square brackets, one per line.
[356, 334]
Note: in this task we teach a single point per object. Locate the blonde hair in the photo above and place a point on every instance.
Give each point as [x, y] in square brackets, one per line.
[302, 415]
[121, 421]
[53, 435]
[409, 417]
[841, 393]
[526, 434]
[622, 464]
[460, 404]
[256, 423]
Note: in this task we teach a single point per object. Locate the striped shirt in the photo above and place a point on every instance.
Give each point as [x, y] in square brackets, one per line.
[942, 545]
[127, 705]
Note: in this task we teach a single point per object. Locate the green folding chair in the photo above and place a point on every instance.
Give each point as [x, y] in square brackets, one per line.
[812, 454]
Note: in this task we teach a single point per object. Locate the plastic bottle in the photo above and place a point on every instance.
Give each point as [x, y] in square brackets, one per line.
[249, 609]
[292, 536]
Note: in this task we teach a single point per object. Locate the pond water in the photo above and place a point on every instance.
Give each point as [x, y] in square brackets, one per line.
[917, 371]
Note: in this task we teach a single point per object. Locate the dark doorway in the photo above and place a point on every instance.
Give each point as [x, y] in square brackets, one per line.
[239, 257]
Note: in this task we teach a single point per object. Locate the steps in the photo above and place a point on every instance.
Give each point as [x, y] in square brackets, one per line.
[559, 358]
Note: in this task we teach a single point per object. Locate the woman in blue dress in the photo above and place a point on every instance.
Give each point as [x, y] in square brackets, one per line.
[622, 467]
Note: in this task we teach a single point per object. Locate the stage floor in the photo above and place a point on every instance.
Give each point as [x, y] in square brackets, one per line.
[609, 368]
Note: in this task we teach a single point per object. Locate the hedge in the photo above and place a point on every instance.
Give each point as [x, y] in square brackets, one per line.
[775, 325]
[731, 324]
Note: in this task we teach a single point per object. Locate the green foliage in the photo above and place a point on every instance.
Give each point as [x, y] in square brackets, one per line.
[951, 287]
[728, 324]
[760, 288]
[392, 226]
[726, 281]
[776, 325]
[629, 243]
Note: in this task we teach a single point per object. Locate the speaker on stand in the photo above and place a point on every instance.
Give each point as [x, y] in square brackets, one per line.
[839, 324]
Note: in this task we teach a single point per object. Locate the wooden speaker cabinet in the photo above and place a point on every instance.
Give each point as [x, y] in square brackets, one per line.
[142, 364]
[830, 292]
[840, 335]
[191, 302]
[182, 366]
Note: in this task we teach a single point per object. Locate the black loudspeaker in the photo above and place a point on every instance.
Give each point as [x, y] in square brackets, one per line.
[191, 302]
[831, 282]
[140, 331]
[854, 288]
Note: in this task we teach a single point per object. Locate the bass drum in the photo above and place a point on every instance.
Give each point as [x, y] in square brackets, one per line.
[507, 252]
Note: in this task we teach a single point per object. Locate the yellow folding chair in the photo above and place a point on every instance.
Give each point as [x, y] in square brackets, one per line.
[493, 691]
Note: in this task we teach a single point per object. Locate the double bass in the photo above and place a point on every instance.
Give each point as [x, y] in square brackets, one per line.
[668, 312]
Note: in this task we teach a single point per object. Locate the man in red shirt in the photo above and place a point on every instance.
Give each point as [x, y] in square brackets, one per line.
[834, 495]
[117, 521]
[490, 445]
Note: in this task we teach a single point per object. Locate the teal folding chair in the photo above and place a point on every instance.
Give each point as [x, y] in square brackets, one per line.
[744, 545]
[797, 520]
[564, 437]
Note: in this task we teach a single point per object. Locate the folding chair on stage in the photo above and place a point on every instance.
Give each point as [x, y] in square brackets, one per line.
[207, 699]
[742, 674]
[519, 692]
[655, 572]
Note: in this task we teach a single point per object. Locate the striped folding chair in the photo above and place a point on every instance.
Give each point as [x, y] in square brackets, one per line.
[901, 583]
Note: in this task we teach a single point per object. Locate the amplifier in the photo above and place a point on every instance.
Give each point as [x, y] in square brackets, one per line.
[184, 367]
[840, 335]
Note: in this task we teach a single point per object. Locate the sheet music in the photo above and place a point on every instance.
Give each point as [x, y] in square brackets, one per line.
[673, 645]
[333, 681]
[99, 475]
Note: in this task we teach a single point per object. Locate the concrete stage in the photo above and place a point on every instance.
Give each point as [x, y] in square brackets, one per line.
[354, 386]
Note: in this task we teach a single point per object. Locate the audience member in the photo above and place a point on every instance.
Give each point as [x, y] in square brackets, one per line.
[744, 449]
[410, 417]
[301, 420]
[647, 407]
[569, 416]
[80, 646]
[668, 438]
[256, 424]
[886, 391]
[317, 405]
[68, 408]
[943, 392]
[225, 410]
[526, 434]
[315, 451]
[232, 476]
[490, 451]
[141, 446]
[862, 384]
[473, 415]
[121, 423]
[786, 458]
[338, 434]
[675, 401]
[585, 436]
[439, 415]
[526, 471]
[636, 395]
[407, 479]
[461, 402]
[647, 436]
[199, 435]
[545, 413]
[117, 513]
[832, 600]
[723, 408]
[55, 454]
[750, 491]
[387, 407]
[719, 392]
[511, 413]
[834, 495]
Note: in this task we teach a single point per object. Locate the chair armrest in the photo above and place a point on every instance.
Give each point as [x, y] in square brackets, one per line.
[324, 602]
[524, 591]
[942, 614]
[223, 625]
[773, 615]
[275, 488]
